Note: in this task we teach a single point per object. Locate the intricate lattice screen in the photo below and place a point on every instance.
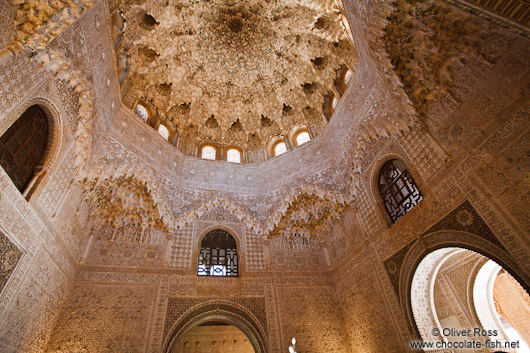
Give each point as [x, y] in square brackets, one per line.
[218, 256]
[400, 193]
[23, 145]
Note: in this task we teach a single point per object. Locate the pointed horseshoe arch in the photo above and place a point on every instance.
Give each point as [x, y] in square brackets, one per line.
[218, 310]
[450, 239]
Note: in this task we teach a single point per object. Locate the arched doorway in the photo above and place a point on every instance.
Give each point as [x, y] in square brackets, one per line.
[459, 296]
[213, 337]
[221, 313]
[24, 145]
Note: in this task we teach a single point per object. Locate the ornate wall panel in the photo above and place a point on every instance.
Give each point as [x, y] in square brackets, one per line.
[419, 149]
[10, 255]
[7, 24]
[97, 48]
[180, 248]
[60, 179]
[496, 220]
[104, 318]
[18, 76]
[372, 328]
[70, 102]
[367, 207]
[27, 326]
[72, 221]
[13, 209]
[506, 175]
[255, 252]
[313, 316]
[345, 239]
[112, 253]
[296, 254]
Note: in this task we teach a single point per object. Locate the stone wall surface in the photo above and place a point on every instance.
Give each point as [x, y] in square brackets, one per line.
[37, 282]
[312, 315]
[103, 256]
[104, 318]
[367, 303]
[7, 27]
[215, 339]
[49, 229]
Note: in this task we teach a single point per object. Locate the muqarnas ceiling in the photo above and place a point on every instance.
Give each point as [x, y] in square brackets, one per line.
[234, 72]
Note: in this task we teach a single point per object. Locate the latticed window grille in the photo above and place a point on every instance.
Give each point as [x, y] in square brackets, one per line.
[23, 146]
[400, 193]
[218, 256]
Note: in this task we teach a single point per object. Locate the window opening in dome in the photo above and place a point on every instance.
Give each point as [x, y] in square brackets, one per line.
[233, 155]
[398, 189]
[302, 138]
[328, 105]
[334, 103]
[209, 152]
[218, 255]
[348, 77]
[142, 112]
[163, 131]
[280, 148]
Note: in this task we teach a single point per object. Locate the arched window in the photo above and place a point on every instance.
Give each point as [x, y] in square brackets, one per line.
[302, 137]
[279, 148]
[233, 155]
[340, 82]
[334, 103]
[23, 146]
[329, 104]
[218, 256]
[163, 131]
[348, 77]
[208, 152]
[142, 112]
[400, 193]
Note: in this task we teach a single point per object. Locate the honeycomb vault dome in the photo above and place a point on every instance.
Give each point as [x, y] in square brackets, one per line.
[234, 72]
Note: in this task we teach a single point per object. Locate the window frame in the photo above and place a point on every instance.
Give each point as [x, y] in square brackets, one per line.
[407, 175]
[208, 144]
[54, 140]
[167, 129]
[223, 259]
[275, 144]
[298, 133]
[228, 149]
[327, 107]
[149, 114]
